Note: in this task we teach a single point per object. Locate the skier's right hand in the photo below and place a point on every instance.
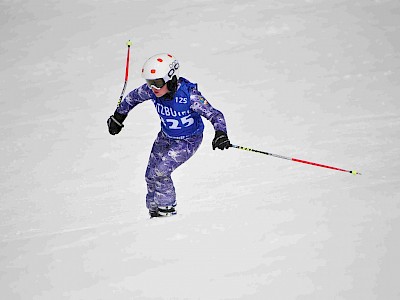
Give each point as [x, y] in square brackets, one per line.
[114, 123]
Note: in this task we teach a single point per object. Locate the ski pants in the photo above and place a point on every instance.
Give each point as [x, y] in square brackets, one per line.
[166, 155]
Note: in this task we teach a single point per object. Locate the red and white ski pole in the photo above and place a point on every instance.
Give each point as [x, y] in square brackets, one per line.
[129, 44]
[295, 159]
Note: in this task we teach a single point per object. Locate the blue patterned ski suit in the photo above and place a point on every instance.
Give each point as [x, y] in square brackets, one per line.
[180, 136]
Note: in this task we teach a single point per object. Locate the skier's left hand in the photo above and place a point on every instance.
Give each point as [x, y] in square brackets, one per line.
[221, 140]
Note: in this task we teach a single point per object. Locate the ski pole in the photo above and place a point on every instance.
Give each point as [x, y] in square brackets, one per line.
[129, 44]
[295, 159]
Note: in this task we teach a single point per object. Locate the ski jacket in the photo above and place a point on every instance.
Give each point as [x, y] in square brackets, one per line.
[181, 114]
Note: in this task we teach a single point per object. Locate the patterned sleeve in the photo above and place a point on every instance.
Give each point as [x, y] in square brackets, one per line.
[134, 98]
[200, 105]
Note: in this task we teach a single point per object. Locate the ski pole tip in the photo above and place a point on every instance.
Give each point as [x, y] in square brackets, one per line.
[355, 173]
[129, 43]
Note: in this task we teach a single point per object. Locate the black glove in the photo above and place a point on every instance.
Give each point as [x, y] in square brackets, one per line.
[221, 140]
[114, 123]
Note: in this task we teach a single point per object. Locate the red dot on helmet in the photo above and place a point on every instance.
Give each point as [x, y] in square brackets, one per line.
[152, 71]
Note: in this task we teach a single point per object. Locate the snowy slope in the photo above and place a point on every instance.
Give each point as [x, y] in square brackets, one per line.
[316, 80]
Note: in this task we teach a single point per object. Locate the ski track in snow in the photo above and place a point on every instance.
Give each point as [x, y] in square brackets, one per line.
[315, 80]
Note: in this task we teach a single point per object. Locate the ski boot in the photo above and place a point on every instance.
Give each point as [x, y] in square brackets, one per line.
[163, 211]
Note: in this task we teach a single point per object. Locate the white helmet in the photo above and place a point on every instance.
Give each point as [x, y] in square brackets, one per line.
[159, 69]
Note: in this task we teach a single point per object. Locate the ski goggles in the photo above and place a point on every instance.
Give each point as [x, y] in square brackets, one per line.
[155, 83]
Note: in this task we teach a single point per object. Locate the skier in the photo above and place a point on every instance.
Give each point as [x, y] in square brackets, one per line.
[180, 106]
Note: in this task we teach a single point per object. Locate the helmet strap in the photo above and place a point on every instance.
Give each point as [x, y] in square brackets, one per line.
[172, 85]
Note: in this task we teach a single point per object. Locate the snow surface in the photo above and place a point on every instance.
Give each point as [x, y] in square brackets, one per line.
[316, 80]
